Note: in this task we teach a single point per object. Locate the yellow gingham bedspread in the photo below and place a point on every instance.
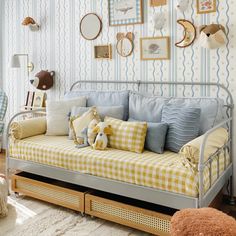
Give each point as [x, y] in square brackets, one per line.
[166, 171]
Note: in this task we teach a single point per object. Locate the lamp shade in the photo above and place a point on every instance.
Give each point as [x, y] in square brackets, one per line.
[15, 62]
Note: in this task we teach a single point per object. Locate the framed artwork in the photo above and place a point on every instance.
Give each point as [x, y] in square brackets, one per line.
[206, 6]
[103, 52]
[125, 12]
[29, 100]
[39, 99]
[155, 48]
[157, 3]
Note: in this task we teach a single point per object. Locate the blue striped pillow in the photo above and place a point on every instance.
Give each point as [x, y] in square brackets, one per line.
[184, 124]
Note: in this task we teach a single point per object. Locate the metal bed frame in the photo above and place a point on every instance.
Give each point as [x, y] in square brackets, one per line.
[152, 195]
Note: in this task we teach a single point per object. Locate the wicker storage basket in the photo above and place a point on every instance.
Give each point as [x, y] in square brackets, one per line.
[49, 190]
[126, 214]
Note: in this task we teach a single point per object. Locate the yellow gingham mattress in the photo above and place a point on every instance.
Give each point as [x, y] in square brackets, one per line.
[168, 171]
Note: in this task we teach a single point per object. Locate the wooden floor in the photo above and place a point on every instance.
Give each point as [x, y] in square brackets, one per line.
[220, 204]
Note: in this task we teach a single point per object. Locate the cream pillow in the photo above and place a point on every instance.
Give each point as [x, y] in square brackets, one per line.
[28, 128]
[216, 140]
[129, 136]
[57, 115]
[79, 123]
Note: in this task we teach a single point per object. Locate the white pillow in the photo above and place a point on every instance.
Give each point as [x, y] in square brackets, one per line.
[57, 115]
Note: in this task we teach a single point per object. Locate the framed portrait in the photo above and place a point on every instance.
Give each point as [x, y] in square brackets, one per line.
[157, 3]
[206, 6]
[155, 48]
[39, 99]
[125, 12]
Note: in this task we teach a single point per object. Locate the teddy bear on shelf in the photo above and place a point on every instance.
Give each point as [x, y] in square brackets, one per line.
[102, 130]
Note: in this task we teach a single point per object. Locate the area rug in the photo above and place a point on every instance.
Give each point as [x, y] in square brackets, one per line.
[31, 217]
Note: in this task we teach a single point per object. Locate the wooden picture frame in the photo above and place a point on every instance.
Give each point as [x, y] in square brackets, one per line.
[103, 52]
[157, 3]
[122, 13]
[155, 48]
[39, 99]
[206, 6]
[29, 100]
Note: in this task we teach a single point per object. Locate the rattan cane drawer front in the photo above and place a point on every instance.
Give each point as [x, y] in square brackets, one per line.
[49, 192]
[135, 217]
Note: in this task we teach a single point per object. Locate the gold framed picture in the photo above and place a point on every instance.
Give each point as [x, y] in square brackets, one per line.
[206, 6]
[39, 99]
[157, 3]
[103, 52]
[155, 48]
[125, 12]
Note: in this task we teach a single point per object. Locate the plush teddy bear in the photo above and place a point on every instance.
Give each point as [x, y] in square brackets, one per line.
[43, 80]
[3, 196]
[212, 36]
[102, 130]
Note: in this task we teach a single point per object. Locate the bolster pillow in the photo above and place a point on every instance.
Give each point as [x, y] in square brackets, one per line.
[28, 128]
[215, 140]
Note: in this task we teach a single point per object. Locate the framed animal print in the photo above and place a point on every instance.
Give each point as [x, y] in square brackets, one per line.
[155, 48]
[206, 6]
[125, 12]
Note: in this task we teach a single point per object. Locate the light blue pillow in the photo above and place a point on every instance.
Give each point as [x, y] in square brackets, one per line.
[156, 135]
[183, 122]
[104, 98]
[146, 107]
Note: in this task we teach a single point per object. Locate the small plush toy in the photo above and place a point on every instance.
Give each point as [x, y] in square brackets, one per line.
[91, 135]
[43, 80]
[3, 196]
[212, 36]
[102, 130]
[85, 137]
[159, 20]
[182, 5]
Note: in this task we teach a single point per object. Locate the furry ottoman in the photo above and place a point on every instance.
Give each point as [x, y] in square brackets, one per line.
[202, 222]
[3, 196]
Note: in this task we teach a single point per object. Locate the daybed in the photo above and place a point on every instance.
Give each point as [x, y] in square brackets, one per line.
[166, 179]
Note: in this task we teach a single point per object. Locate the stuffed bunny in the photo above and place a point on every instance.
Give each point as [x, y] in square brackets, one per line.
[102, 130]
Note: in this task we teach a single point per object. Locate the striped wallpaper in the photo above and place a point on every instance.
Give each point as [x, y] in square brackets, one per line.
[59, 46]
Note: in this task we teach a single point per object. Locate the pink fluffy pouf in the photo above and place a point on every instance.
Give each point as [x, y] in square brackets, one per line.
[3, 196]
[202, 222]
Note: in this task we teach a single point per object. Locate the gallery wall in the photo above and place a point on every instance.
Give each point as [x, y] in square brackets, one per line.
[59, 46]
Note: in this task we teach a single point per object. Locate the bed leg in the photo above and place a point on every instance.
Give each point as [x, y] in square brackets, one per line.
[231, 192]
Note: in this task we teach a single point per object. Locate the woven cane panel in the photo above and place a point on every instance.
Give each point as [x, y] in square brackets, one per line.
[49, 193]
[132, 216]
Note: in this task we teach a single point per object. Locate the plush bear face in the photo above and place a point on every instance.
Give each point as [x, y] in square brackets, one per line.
[43, 80]
[212, 36]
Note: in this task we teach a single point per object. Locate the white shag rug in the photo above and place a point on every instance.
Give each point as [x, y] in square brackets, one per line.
[31, 217]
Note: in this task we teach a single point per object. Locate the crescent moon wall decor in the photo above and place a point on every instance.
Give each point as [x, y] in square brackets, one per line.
[189, 33]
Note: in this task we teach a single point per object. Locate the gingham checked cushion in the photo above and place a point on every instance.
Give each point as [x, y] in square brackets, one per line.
[129, 136]
[3, 108]
[165, 171]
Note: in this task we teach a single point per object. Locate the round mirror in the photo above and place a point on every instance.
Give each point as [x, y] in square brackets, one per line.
[90, 26]
[125, 47]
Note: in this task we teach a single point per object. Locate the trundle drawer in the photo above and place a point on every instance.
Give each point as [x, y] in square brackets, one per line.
[126, 214]
[49, 190]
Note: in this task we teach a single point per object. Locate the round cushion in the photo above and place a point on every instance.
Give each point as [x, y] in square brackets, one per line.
[202, 222]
